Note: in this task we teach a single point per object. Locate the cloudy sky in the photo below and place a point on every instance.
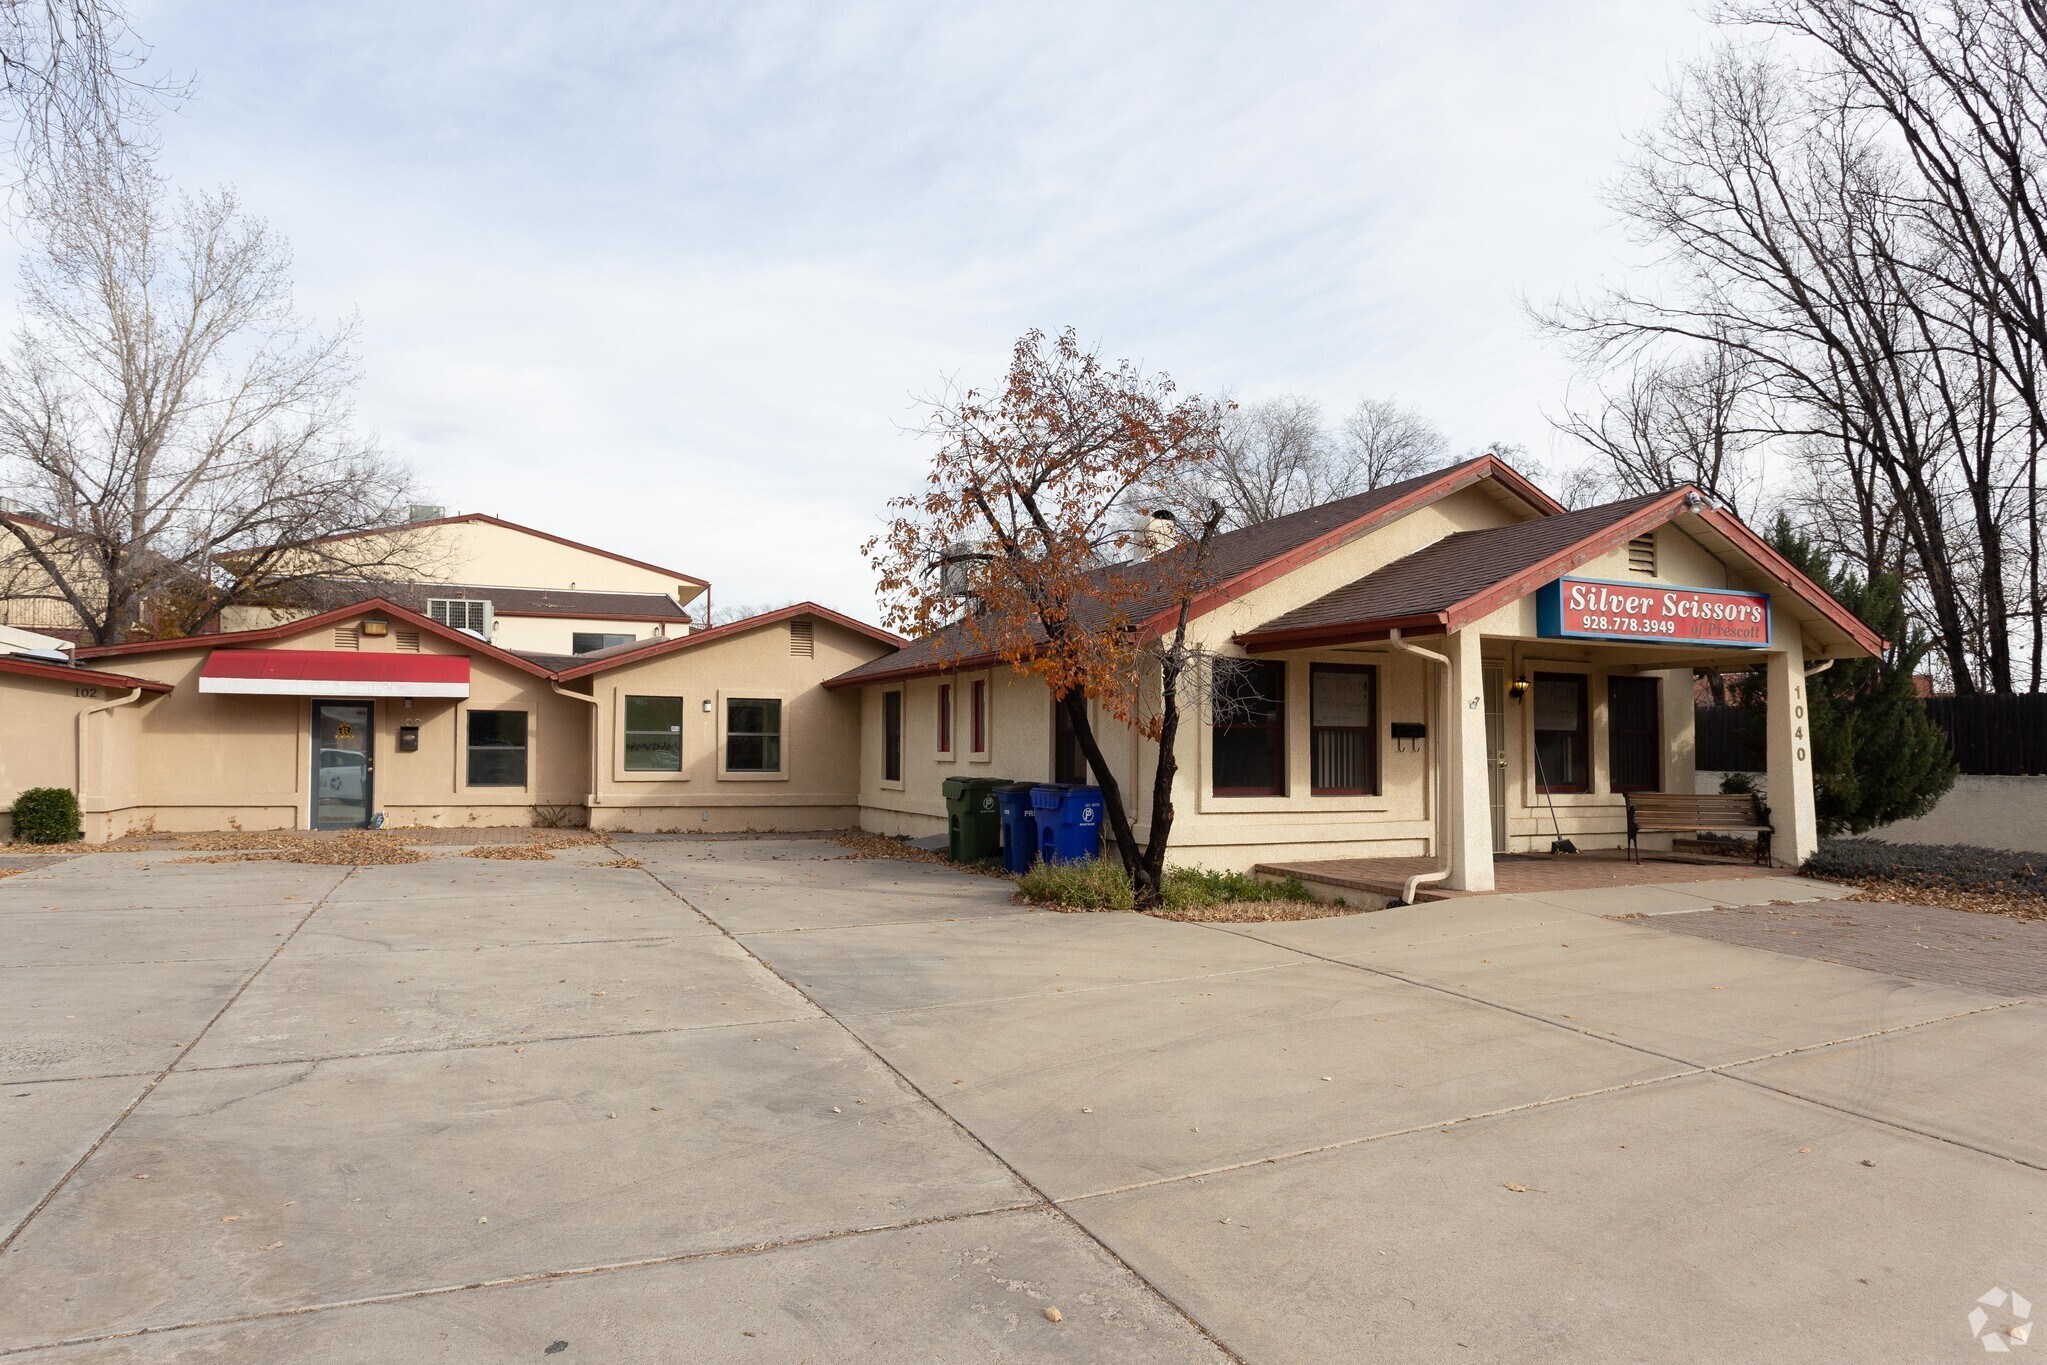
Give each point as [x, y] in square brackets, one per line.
[670, 277]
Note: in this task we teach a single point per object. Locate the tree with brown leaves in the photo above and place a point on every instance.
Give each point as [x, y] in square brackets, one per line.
[1022, 547]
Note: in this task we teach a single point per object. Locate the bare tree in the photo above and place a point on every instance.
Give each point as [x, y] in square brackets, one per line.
[1276, 456]
[1665, 421]
[1382, 442]
[173, 437]
[74, 84]
[1795, 239]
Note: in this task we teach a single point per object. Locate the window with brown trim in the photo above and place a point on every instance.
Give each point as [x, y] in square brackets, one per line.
[1562, 733]
[1634, 734]
[1248, 747]
[1069, 761]
[891, 736]
[945, 718]
[977, 712]
[1343, 710]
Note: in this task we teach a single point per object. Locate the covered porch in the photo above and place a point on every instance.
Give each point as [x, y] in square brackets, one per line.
[1515, 873]
[1560, 654]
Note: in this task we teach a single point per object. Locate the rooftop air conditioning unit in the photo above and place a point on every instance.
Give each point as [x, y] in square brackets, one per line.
[471, 614]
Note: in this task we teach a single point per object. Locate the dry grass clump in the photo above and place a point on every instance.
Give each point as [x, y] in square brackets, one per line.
[342, 848]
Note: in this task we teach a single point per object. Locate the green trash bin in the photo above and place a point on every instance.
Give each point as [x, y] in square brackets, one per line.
[973, 818]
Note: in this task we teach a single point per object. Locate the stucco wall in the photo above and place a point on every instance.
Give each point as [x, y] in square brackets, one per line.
[818, 785]
[1221, 831]
[195, 761]
[1979, 812]
[39, 735]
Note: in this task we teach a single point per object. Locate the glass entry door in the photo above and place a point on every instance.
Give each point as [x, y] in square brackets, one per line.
[342, 764]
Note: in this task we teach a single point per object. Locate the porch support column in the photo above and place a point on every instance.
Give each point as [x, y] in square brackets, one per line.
[1467, 795]
[1790, 755]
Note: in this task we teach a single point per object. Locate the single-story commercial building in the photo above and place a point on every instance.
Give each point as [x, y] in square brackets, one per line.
[374, 710]
[1453, 667]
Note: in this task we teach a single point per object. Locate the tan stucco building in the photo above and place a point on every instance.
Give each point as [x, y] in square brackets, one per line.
[1409, 694]
[1452, 667]
[374, 711]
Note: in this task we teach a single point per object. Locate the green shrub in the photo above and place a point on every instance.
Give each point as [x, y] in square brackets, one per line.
[46, 815]
[1101, 885]
[1098, 884]
[1189, 886]
[1739, 784]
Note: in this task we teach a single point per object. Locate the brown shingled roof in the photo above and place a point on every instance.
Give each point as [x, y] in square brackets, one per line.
[1243, 559]
[566, 602]
[1420, 590]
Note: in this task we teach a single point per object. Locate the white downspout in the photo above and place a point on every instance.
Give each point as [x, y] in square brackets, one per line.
[84, 746]
[589, 797]
[1814, 670]
[1442, 839]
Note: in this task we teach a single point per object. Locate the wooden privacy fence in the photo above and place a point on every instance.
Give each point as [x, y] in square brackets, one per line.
[1995, 735]
[1991, 735]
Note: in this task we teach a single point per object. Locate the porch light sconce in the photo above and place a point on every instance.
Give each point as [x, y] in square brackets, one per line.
[376, 627]
[707, 708]
[1518, 688]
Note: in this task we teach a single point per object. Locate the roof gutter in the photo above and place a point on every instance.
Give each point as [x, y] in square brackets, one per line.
[84, 738]
[1442, 840]
[589, 797]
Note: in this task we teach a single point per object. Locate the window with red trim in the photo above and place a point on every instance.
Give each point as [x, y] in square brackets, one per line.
[945, 718]
[977, 710]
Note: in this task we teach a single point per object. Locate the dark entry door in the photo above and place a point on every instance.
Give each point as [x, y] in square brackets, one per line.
[343, 764]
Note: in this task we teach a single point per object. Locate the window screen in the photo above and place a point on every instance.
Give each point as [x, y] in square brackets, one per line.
[1561, 761]
[1634, 733]
[497, 748]
[653, 734]
[1345, 743]
[589, 641]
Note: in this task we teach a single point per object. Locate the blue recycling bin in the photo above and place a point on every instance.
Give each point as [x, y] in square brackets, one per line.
[1069, 823]
[1019, 826]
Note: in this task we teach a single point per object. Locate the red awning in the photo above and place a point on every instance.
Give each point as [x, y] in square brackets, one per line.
[334, 673]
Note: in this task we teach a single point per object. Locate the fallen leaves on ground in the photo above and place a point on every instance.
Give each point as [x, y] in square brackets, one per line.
[867, 846]
[2012, 904]
[342, 848]
[621, 862]
[1251, 912]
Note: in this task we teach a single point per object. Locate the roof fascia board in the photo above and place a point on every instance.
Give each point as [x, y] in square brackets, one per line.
[657, 648]
[231, 639]
[90, 676]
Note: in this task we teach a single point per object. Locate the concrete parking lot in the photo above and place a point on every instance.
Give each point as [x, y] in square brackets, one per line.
[754, 1100]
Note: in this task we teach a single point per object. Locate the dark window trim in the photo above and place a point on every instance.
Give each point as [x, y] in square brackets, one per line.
[778, 734]
[945, 718]
[525, 748]
[977, 709]
[1613, 733]
[892, 736]
[1584, 731]
[1278, 724]
[1370, 729]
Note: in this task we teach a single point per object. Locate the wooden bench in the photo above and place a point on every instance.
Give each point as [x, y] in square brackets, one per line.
[1672, 813]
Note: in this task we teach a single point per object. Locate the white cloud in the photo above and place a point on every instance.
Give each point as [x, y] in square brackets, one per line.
[666, 277]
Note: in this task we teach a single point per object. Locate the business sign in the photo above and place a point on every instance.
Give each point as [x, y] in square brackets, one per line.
[1591, 609]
